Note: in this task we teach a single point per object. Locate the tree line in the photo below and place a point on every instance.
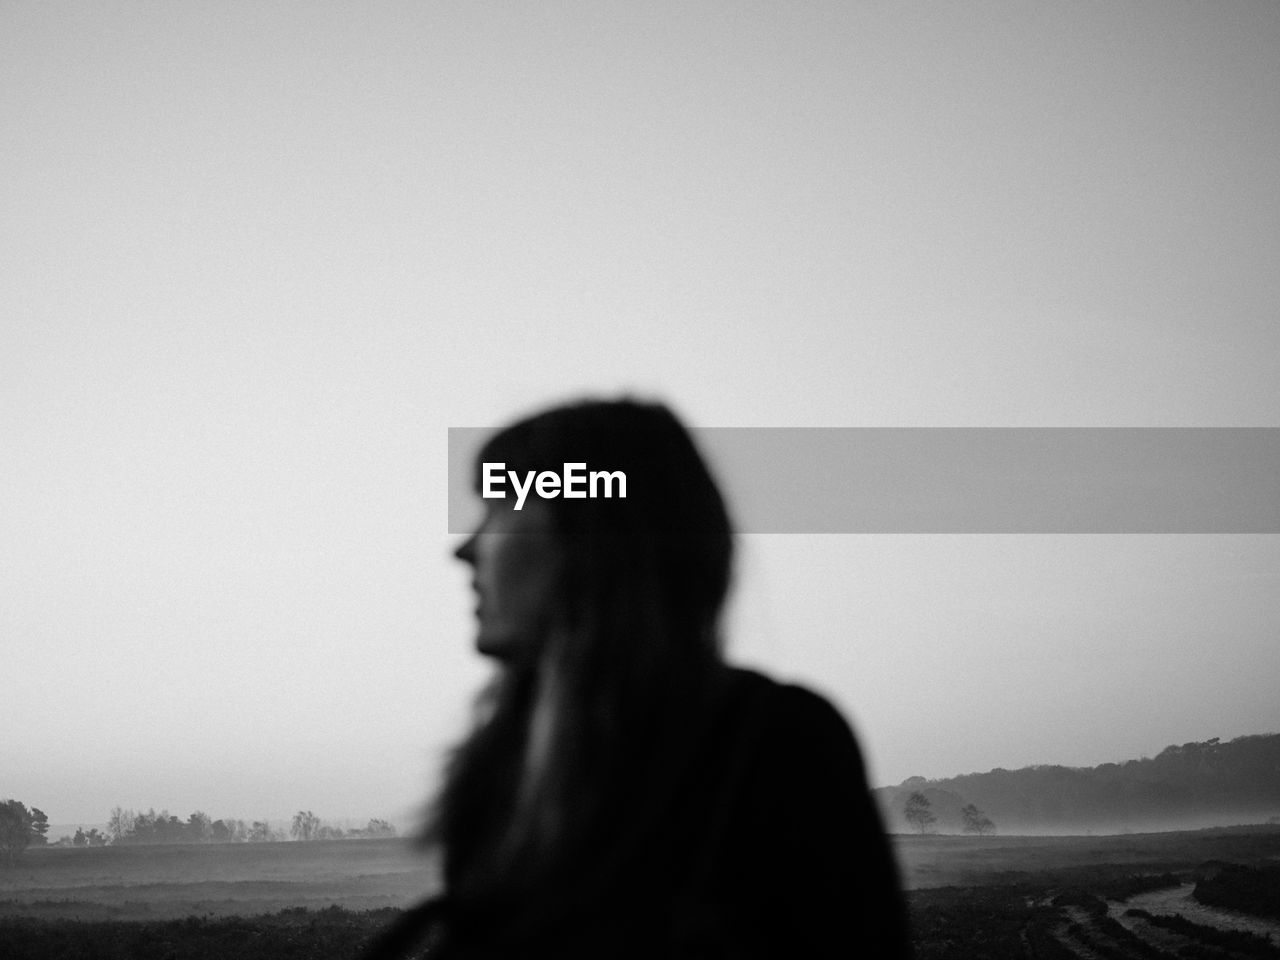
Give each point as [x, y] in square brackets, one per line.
[22, 827]
[126, 827]
[1191, 783]
[307, 826]
[132, 827]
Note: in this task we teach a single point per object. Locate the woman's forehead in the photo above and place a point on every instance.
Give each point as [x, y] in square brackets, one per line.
[534, 516]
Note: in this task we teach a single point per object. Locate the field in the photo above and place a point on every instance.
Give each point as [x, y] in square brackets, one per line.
[1086, 898]
[223, 879]
[936, 861]
[1051, 898]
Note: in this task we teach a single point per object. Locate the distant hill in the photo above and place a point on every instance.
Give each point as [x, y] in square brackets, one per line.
[1183, 787]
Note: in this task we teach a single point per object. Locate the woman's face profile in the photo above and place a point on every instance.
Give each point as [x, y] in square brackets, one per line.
[516, 563]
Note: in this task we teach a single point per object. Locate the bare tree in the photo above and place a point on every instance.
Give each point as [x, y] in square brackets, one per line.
[918, 813]
[975, 821]
[306, 826]
[120, 824]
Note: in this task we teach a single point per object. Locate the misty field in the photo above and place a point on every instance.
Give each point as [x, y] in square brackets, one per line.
[216, 879]
[1132, 897]
[934, 860]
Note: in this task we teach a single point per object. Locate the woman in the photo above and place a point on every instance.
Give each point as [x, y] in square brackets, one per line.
[624, 793]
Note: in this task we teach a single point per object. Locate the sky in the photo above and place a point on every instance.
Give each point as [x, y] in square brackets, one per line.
[258, 258]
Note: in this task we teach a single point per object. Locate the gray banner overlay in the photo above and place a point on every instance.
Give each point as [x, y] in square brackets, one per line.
[970, 480]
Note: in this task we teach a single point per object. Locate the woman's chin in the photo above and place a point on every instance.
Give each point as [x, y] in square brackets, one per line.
[496, 647]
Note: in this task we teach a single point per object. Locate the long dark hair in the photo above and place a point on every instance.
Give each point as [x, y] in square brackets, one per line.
[570, 759]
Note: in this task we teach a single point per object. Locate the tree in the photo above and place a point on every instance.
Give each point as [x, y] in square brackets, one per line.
[261, 832]
[228, 831]
[141, 827]
[917, 811]
[975, 821]
[39, 827]
[199, 827]
[121, 823]
[19, 828]
[306, 826]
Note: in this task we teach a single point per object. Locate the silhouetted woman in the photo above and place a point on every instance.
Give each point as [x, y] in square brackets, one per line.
[625, 793]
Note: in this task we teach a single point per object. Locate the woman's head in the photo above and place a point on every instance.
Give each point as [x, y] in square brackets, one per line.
[589, 567]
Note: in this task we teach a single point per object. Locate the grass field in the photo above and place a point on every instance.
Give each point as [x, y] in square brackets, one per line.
[228, 879]
[937, 861]
[1048, 898]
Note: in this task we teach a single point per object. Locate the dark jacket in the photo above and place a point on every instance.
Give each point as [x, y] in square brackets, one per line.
[769, 845]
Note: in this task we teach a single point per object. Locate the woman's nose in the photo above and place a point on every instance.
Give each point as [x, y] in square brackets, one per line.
[466, 550]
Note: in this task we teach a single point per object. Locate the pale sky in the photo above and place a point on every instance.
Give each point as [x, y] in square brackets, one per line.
[257, 258]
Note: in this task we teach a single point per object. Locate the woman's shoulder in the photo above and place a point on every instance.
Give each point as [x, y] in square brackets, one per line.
[789, 733]
[784, 706]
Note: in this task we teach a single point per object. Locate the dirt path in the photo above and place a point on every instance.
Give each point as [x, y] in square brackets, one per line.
[1178, 900]
[1063, 935]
